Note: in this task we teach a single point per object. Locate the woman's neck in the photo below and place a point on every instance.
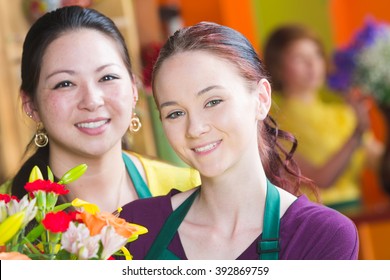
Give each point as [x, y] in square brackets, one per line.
[307, 96]
[233, 197]
[226, 217]
[105, 183]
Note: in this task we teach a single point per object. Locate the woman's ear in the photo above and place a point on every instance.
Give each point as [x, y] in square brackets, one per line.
[264, 99]
[135, 96]
[29, 107]
[135, 90]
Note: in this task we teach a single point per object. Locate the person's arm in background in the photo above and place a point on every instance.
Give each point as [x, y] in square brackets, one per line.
[326, 174]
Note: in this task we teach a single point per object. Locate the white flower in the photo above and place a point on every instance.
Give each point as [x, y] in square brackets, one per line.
[77, 240]
[3, 211]
[26, 205]
[373, 73]
[111, 241]
[89, 248]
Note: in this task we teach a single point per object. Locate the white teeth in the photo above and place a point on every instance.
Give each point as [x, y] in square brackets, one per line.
[206, 148]
[92, 124]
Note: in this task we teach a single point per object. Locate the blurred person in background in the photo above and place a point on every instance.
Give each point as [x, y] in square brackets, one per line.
[334, 133]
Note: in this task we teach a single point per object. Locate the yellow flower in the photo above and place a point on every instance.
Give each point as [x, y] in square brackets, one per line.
[126, 253]
[89, 207]
[55, 250]
[35, 174]
[10, 226]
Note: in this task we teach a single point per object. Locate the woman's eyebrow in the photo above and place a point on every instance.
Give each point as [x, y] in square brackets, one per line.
[203, 91]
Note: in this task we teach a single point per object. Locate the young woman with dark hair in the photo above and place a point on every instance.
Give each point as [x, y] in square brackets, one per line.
[79, 88]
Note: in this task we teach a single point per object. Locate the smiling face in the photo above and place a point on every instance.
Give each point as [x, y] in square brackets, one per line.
[85, 94]
[208, 112]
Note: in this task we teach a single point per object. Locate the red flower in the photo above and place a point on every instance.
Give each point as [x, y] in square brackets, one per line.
[73, 215]
[7, 198]
[149, 56]
[57, 222]
[47, 186]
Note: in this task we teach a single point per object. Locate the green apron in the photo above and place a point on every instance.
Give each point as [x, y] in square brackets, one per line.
[267, 248]
[139, 184]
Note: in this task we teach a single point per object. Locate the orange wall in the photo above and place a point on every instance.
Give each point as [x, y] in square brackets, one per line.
[349, 15]
[236, 14]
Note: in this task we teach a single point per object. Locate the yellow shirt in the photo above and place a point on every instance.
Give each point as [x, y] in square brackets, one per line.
[162, 176]
[322, 128]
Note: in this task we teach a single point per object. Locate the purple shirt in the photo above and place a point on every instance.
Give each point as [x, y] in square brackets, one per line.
[308, 231]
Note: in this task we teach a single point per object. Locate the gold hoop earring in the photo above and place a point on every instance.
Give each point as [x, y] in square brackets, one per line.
[135, 124]
[41, 139]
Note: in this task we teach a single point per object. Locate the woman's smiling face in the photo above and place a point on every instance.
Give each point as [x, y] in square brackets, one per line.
[208, 112]
[85, 93]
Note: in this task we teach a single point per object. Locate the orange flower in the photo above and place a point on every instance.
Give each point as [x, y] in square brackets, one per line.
[96, 222]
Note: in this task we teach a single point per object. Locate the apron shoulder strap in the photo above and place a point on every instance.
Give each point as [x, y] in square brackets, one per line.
[169, 229]
[268, 247]
[139, 184]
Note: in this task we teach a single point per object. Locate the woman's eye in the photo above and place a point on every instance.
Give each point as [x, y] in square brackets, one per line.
[63, 84]
[213, 102]
[108, 78]
[175, 115]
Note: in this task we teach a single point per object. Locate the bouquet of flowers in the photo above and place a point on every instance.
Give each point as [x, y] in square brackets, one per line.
[363, 63]
[85, 233]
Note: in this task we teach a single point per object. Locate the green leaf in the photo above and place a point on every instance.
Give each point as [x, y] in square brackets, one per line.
[63, 255]
[35, 233]
[34, 252]
[35, 174]
[62, 207]
[50, 175]
[73, 174]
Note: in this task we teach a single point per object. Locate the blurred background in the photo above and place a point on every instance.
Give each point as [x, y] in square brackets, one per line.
[147, 23]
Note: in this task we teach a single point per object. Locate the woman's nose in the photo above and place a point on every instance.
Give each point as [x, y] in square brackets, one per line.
[91, 97]
[196, 126]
